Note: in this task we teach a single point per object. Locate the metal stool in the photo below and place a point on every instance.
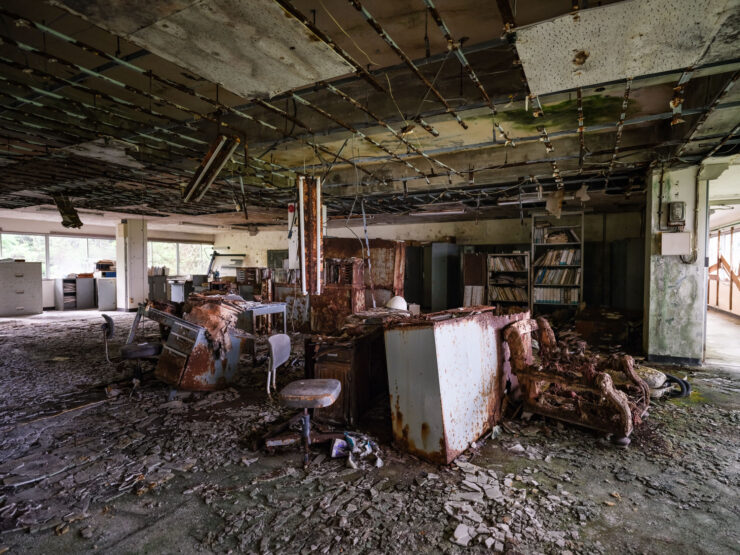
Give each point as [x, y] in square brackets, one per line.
[306, 394]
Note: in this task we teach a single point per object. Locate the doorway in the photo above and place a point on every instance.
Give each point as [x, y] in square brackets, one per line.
[722, 345]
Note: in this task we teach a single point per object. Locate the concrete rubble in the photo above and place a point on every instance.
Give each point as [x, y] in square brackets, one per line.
[135, 470]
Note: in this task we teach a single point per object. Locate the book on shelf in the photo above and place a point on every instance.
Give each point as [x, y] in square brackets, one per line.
[507, 263]
[497, 293]
[507, 279]
[546, 234]
[556, 295]
[550, 276]
[560, 257]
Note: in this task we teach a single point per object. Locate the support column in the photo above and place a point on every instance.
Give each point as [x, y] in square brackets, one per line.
[312, 231]
[132, 286]
[675, 284]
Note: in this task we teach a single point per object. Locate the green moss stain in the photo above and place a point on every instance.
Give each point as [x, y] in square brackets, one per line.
[564, 115]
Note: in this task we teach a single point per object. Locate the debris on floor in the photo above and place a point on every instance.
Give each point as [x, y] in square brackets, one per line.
[93, 478]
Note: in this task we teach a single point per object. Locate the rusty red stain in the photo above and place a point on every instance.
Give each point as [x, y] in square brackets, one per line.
[573, 386]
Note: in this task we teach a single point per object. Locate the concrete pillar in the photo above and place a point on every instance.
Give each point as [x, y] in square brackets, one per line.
[675, 285]
[132, 285]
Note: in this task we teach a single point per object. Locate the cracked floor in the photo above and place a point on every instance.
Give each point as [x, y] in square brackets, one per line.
[136, 473]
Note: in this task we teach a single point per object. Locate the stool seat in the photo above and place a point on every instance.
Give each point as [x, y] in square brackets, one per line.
[310, 394]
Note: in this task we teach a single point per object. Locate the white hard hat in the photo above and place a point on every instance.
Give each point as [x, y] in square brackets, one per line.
[397, 303]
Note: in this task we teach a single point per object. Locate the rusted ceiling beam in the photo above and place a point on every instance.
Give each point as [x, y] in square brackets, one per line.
[454, 47]
[563, 133]
[507, 15]
[323, 37]
[366, 138]
[313, 145]
[712, 107]
[401, 54]
[344, 96]
[620, 126]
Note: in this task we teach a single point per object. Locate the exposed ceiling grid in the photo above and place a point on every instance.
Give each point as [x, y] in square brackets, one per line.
[121, 122]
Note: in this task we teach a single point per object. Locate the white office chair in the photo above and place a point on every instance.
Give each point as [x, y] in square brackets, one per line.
[279, 355]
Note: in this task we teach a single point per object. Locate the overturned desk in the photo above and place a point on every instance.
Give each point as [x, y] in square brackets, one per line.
[202, 348]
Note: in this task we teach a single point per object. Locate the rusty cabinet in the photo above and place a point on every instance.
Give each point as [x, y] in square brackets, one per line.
[343, 294]
[358, 363]
[445, 375]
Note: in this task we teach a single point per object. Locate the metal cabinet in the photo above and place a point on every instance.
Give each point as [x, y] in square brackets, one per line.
[74, 293]
[157, 288]
[106, 293]
[445, 377]
[20, 292]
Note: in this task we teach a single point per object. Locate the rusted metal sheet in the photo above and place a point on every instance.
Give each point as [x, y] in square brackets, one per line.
[573, 385]
[445, 374]
[313, 233]
[188, 360]
[329, 309]
[387, 259]
[399, 268]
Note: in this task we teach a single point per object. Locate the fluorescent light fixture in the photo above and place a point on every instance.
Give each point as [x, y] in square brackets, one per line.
[210, 167]
[526, 199]
[438, 212]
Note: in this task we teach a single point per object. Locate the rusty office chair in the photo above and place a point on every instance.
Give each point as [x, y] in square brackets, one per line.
[279, 354]
[310, 394]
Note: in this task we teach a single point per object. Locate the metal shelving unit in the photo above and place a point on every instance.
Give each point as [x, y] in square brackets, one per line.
[502, 275]
[545, 227]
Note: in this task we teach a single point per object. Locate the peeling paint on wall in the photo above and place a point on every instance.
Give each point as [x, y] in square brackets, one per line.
[676, 292]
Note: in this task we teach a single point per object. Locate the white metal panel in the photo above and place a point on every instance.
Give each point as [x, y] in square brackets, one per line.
[413, 382]
[616, 41]
[676, 243]
[467, 362]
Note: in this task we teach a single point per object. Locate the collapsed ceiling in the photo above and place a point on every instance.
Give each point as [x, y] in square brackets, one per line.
[404, 105]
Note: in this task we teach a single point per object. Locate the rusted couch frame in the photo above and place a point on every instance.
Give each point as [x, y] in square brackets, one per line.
[575, 388]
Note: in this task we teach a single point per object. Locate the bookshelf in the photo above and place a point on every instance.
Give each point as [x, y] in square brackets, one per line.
[508, 279]
[557, 261]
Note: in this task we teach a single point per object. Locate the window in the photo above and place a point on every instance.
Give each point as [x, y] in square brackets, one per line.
[32, 248]
[194, 258]
[77, 255]
[180, 258]
[163, 254]
[67, 255]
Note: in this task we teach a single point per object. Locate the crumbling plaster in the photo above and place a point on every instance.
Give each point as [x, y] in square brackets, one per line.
[675, 292]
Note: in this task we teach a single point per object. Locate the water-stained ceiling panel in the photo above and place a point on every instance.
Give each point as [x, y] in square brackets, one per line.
[626, 39]
[254, 48]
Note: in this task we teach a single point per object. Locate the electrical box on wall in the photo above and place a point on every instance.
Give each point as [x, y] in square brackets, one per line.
[677, 214]
[675, 243]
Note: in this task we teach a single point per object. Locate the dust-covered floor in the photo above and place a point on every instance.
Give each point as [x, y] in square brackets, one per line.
[89, 463]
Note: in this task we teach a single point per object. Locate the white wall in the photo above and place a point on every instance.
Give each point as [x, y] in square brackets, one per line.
[255, 247]
[485, 232]
[44, 227]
